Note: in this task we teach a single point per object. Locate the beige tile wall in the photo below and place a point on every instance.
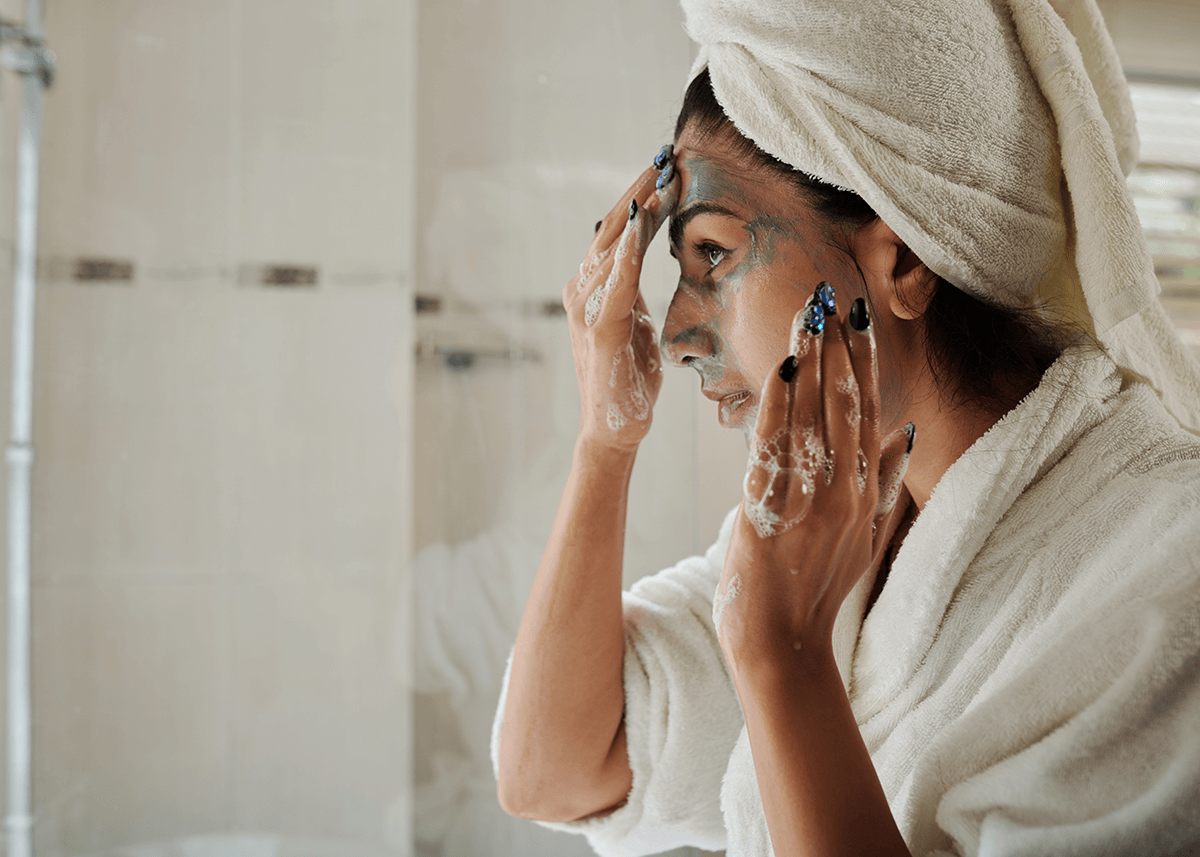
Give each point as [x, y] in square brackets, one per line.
[222, 491]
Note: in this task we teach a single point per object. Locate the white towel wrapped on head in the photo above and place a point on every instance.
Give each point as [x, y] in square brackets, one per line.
[993, 136]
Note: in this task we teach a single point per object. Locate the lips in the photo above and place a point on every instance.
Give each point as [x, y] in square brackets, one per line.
[732, 409]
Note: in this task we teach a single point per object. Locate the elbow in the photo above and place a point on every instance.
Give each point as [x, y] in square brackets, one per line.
[541, 801]
[520, 800]
[536, 783]
[517, 801]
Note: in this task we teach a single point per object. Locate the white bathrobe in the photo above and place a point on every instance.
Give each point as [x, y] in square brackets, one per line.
[1028, 682]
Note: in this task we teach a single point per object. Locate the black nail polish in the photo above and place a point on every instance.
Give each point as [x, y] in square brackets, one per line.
[599, 223]
[788, 370]
[859, 317]
[911, 431]
[632, 209]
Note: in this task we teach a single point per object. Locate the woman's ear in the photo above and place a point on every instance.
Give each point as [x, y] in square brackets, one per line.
[897, 278]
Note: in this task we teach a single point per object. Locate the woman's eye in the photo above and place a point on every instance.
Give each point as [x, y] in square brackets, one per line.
[713, 254]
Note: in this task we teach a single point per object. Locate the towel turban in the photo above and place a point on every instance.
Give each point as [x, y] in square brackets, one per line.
[993, 137]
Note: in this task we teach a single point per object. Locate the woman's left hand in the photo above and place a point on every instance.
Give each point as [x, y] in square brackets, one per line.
[818, 491]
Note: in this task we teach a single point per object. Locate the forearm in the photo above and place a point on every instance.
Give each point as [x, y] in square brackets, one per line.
[562, 748]
[820, 791]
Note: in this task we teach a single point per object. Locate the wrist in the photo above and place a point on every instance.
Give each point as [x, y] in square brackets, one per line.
[594, 452]
[767, 664]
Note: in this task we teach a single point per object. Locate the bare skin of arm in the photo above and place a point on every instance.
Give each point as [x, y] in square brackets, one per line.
[819, 787]
[562, 745]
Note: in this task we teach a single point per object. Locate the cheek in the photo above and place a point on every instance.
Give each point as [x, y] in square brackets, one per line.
[758, 326]
[894, 394]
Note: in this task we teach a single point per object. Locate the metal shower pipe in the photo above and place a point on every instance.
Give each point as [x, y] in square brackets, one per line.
[24, 52]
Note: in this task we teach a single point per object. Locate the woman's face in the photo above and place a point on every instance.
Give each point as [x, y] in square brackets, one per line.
[750, 256]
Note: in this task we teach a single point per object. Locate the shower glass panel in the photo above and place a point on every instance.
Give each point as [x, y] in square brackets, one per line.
[533, 119]
[222, 429]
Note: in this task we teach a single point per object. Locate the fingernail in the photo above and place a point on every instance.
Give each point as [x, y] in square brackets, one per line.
[664, 156]
[911, 431]
[599, 223]
[665, 176]
[824, 294]
[788, 370]
[813, 319]
[859, 318]
[632, 209]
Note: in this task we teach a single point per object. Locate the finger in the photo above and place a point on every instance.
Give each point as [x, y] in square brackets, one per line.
[842, 409]
[860, 336]
[663, 201]
[646, 337]
[646, 217]
[768, 473]
[650, 201]
[801, 338]
[785, 452]
[621, 285]
[591, 263]
[583, 295]
[613, 224]
[893, 464]
[640, 308]
[590, 287]
[655, 192]
[807, 414]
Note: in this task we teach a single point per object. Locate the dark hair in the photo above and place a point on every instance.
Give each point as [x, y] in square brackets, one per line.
[979, 352]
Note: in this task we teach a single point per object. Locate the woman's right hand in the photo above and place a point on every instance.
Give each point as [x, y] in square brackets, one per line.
[617, 360]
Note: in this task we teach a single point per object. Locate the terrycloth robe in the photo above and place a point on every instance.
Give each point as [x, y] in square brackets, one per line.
[1028, 682]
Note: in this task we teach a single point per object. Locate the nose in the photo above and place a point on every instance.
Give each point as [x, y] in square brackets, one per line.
[688, 332]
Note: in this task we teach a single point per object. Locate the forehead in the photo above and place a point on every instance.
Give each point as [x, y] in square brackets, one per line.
[713, 171]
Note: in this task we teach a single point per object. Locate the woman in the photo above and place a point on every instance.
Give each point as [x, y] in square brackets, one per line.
[981, 637]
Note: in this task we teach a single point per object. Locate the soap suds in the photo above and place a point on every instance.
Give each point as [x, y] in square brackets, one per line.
[595, 301]
[848, 387]
[723, 599]
[787, 462]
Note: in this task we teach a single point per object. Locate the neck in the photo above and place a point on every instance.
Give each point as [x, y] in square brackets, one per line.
[944, 432]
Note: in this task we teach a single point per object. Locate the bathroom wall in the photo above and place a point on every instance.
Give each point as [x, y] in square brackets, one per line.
[222, 496]
[1161, 36]
[1159, 45]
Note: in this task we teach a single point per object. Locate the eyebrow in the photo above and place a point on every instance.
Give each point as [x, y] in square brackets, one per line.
[680, 221]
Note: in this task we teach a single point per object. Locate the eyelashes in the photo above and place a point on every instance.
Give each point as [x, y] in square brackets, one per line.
[707, 253]
[712, 254]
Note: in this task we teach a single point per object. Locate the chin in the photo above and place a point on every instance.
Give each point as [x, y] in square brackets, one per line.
[747, 425]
